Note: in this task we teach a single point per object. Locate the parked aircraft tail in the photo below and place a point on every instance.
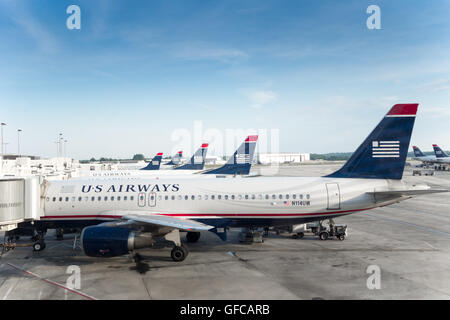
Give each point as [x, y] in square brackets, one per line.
[155, 163]
[197, 161]
[383, 154]
[418, 152]
[241, 161]
[175, 159]
[439, 152]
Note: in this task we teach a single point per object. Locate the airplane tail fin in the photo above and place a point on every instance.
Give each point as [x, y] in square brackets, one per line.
[197, 161]
[175, 159]
[418, 152]
[383, 154]
[439, 152]
[241, 161]
[155, 163]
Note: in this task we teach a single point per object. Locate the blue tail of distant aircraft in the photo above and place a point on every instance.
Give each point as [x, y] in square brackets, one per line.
[155, 163]
[175, 159]
[383, 154]
[241, 161]
[439, 152]
[417, 152]
[197, 161]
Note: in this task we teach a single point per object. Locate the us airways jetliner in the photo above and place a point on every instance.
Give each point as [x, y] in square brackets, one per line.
[196, 164]
[155, 163]
[419, 155]
[238, 164]
[176, 159]
[441, 155]
[122, 216]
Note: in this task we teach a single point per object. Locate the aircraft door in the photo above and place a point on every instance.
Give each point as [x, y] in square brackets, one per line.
[152, 199]
[334, 196]
[141, 199]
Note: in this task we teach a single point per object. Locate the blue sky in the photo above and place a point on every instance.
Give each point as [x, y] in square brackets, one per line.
[138, 71]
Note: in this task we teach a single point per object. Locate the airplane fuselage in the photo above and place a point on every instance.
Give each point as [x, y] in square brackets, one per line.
[233, 202]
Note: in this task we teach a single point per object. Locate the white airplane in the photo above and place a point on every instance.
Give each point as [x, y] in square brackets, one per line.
[195, 165]
[441, 155]
[419, 155]
[238, 164]
[122, 216]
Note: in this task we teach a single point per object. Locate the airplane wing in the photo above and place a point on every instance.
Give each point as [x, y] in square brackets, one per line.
[152, 220]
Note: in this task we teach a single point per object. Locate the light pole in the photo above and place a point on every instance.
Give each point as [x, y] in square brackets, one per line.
[18, 141]
[3, 150]
[65, 148]
[60, 144]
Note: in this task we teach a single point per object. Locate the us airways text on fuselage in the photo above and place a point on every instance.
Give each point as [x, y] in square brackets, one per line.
[131, 188]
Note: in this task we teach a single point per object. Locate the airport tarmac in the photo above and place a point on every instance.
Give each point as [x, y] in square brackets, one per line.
[408, 242]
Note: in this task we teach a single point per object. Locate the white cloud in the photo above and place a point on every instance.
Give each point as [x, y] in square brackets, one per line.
[261, 97]
[206, 51]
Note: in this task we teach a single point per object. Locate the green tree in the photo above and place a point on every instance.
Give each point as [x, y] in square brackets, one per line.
[138, 156]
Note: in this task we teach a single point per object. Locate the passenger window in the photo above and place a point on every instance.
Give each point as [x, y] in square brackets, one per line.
[99, 198]
[159, 197]
[267, 196]
[186, 197]
[219, 197]
[253, 197]
[179, 197]
[173, 197]
[301, 196]
[60, 198]
[79, 198]
[112, 198]
[226, 197]
[287, 196]
[307, 196]
[212, 197]
[240, 196]
[260, 197]
[192, 197]
[125, 198]
[166, 197]
[93, 199]
[274, 196]
[67, 198]
[199, 197]
[86, 199]
[54, 199]
[106, 198]
[280, 196]
[232, 197]
[206, 197]
[73, 199]
[118, 198]
[294, 196]
[131, 198]
[246, 196]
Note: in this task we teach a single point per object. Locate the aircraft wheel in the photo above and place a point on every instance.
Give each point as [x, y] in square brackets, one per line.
[192, 236]
[39, 246]
[323, 235]
[179, 253]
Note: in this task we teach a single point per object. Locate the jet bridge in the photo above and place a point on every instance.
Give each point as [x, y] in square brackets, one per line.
[20, 201]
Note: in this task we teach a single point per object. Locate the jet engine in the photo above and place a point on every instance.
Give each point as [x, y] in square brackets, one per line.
[103, 241]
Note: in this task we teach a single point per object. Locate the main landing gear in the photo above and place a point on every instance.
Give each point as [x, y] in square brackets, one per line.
[179, 251]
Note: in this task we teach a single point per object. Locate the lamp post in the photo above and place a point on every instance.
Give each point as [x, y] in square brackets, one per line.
[3, 150]
[60, 145]
[18, 141]
[65, 148]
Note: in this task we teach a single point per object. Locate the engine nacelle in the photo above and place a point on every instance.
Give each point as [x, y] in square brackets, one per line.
[102, 241]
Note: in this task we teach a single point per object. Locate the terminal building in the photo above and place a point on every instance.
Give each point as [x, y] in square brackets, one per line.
[268, 158]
